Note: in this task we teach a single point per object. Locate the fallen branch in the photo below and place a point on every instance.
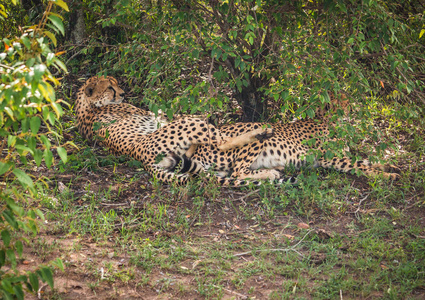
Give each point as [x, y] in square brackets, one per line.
[231, 292]
[292, 248]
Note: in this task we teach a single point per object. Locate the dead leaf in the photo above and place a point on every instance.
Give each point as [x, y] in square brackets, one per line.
[323, 234]
[303, 226]
[288, 236]
[195, 263]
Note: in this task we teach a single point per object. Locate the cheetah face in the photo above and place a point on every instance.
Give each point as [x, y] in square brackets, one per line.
[101, 91]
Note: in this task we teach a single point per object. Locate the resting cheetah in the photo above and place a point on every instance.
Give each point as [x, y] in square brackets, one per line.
[99, 103]
[131, 131]
[286, 147]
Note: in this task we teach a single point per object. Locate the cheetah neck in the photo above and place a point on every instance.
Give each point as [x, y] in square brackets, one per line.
[84, 113]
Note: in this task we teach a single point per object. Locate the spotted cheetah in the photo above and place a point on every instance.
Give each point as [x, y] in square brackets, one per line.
[286, 147]
[134, 132]
[100, 104]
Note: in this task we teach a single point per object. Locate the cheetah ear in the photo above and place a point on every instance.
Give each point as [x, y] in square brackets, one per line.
[89, 90]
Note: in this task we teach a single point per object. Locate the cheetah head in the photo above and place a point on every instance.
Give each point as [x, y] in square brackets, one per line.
[101, 91]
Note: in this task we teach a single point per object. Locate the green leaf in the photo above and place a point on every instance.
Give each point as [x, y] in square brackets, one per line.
[39, 71]
[58, 109]
[5, 236]
[26, 41]
[59, 264]
[62, 154]
[47, 275]
[45, 141]
[51, 36]
[11, 256]
[59, 64]
[38, 156]
[7, 286]
[4, 167]
[18, 210]
[19, 248]
[24, 149]
[57, 22]
[30, 62]
[329, 154]
[17, 288]
[2, 257]
[10, 218]
[32, 144]
[310, 113]
[49, 58]
[48, 157]
[61, 4]
[34, 281]
[421, 33]
[23, 178]
[35, 124]
[25, 124]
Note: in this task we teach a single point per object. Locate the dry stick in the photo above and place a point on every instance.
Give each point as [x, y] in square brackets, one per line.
[247, 195]
[274, 250]
[231, 292]
[412, 205]
[360, 203]
[7, 67]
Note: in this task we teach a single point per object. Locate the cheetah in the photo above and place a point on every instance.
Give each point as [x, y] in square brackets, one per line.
[100, 104]
[261, 159]
[131, 131]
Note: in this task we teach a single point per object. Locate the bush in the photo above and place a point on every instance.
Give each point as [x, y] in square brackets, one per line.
[29, 112]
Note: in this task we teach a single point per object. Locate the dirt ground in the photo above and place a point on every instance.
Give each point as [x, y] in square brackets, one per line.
[103, 268]
[85, 275]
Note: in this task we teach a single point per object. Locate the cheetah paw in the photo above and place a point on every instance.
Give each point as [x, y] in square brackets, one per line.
[265, 134]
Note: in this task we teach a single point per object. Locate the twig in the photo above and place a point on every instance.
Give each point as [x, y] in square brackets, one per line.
[360, 203]
[7, 67]
[231, 292]
[75, 54]
[412, 205]
[39, 291]
[247, 195]
[114, 204]
[292, 248]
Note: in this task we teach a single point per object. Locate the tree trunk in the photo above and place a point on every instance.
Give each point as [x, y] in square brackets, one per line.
[253, 101]
[77, 26]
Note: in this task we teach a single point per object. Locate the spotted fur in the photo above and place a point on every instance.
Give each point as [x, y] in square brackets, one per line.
[263, 159]
[131, 131]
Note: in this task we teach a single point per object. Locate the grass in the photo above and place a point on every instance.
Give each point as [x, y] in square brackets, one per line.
[123, 234]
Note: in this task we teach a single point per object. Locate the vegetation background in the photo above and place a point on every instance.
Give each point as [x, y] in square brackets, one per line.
[333, 235]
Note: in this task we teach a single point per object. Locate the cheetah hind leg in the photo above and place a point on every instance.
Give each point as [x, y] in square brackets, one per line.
[170, 161]
[344, 165]
[259, 134]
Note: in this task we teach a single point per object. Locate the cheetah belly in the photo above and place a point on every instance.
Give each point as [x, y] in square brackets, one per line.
[269, 161]
[266, 160]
